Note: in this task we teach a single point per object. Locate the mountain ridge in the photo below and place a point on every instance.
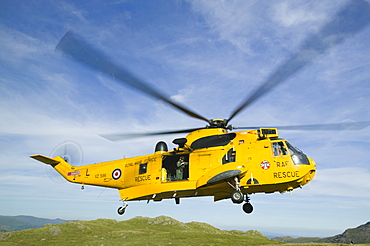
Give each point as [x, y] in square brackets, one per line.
[23, 222]
[358, 235]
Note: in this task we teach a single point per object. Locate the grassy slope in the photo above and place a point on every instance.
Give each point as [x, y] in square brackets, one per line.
[138, 231]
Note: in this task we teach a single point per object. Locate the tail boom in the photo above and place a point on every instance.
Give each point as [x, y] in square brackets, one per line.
[98, 174]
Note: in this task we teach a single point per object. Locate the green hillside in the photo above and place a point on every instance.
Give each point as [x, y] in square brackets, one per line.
[159, 231]
[138, 231]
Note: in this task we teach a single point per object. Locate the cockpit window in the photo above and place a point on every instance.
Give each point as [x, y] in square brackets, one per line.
[279, 148]
[298, 157]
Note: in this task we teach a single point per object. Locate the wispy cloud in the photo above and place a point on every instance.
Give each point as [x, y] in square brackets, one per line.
[342, 182]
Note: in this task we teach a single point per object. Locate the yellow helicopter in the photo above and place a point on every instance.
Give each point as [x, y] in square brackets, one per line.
[208, 162]
[212, 160]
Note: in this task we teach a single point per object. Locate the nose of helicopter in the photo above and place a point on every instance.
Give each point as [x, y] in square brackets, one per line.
[310, 172]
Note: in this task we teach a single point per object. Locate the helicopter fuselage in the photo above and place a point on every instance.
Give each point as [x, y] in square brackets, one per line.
[215, 163]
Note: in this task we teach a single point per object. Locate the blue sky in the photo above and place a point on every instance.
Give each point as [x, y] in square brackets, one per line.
[208, 55]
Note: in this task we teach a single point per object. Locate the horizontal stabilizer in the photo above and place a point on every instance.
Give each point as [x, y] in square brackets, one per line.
[46, 160]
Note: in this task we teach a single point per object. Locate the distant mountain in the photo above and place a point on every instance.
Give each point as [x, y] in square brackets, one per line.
[288, 239]
[161, 230]
[23, 222]
[359, 234]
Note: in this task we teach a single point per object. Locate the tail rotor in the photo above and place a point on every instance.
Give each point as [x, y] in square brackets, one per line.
[71, 152]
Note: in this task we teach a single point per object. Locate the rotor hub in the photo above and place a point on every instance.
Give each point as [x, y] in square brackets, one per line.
[218, 123]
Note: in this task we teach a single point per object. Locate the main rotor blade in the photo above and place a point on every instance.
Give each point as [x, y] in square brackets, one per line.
[352, 18]
[332, 127]
[82, 52]
[124, 136]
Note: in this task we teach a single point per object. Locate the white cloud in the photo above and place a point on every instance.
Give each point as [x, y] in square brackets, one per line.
[235, 21]
[17, 46]
[71, 10]
[295, 13]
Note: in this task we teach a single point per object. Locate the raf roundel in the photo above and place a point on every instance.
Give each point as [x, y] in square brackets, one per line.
[116, 174]
[265, 165]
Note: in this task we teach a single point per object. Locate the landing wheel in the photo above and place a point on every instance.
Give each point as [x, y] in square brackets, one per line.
[237, 197]
[248, 208]
[121, 210]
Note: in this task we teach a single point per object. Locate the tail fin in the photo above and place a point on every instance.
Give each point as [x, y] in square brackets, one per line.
[46, 160]
[59, 164]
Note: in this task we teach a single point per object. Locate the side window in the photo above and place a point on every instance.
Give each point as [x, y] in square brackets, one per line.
[229, 157]
[279, 148]
[143, 168]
